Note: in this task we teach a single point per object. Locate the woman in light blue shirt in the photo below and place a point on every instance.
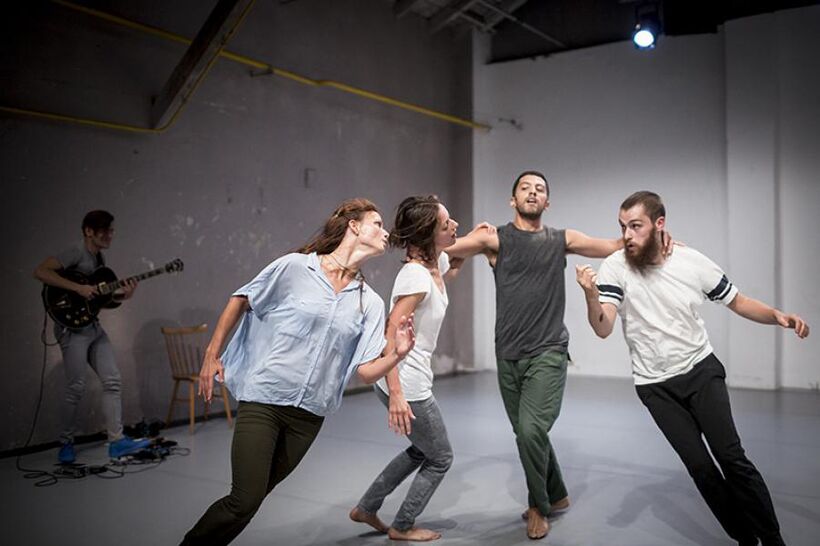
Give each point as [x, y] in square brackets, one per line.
[307, 322]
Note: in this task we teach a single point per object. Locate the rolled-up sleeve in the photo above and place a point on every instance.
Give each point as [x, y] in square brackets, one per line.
[265, 292]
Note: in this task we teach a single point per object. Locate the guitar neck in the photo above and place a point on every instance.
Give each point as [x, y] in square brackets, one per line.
[113, 286]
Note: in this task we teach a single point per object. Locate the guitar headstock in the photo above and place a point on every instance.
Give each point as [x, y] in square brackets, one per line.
[174, 266]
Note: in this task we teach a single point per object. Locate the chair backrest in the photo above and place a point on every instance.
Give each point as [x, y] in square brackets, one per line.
[186, 347]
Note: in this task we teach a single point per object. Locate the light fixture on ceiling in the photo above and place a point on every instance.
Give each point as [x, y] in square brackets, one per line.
[647, 26]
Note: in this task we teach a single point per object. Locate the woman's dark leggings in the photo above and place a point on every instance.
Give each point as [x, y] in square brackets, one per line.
[268, 443]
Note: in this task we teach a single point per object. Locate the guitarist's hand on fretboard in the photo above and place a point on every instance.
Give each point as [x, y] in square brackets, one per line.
[76, 298]
[127, 289]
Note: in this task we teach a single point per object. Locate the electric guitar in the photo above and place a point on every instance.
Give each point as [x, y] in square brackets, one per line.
[71, 310]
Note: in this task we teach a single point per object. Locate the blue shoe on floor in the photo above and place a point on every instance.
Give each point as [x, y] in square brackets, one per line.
[126, 446]
[67, 455]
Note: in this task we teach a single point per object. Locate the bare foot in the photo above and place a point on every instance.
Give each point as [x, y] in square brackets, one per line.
[537, 525]
[371, 519]
[413, 533]
[555, 508]
[559, 506]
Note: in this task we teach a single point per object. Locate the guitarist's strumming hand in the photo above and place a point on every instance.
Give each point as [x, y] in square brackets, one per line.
[211, 366]
[86, 290]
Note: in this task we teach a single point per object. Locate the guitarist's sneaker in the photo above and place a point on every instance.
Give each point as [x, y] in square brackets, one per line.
[126, 446]
[67, 455]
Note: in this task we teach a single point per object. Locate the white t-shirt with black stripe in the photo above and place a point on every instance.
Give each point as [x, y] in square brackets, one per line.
[658, 308]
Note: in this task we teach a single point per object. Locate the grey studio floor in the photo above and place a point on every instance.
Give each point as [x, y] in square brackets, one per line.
[627, 486]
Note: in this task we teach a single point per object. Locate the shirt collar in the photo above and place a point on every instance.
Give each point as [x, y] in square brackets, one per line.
[314, 265]
[313, 262]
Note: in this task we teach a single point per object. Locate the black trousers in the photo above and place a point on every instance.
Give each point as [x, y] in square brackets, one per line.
[268, 443]
[695, 406]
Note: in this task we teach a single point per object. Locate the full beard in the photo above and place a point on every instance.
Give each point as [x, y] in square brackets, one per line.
[528, 215]
[646, 255]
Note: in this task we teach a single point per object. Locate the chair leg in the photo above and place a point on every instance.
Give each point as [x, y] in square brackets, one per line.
[173, 401]
[191, 407]
[227, 403]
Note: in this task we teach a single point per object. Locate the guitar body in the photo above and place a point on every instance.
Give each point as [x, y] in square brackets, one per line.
[71, 310]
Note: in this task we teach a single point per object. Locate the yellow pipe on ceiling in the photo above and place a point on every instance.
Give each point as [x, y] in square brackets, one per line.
[242, 59]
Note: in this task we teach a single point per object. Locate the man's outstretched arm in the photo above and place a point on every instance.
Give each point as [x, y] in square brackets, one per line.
[482, 240]
[591, 247]
[758, 311]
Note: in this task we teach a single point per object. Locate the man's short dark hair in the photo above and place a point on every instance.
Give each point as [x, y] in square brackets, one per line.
[652, 204]
[533, 173]
[97, 220]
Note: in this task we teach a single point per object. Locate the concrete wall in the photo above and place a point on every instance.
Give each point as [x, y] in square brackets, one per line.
[724, 127]
[773, 130]
[225, 188]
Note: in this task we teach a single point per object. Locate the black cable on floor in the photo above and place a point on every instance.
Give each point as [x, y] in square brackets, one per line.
[76, 471]
[45, 477]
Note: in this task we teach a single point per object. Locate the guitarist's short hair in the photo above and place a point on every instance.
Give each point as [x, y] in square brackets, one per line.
[97, 220]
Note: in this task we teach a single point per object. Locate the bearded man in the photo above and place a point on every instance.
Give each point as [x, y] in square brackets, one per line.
[677, 376]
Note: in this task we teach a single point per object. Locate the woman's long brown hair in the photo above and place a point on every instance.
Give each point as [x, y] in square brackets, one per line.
[331, 235]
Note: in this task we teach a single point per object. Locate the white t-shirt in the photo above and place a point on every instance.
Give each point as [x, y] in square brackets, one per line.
[415, 371]
[658, 309]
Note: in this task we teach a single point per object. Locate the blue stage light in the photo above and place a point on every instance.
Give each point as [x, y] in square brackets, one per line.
[644, 38]
[647, 26]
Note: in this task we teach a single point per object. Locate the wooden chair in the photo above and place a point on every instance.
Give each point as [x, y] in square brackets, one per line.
[186, 347]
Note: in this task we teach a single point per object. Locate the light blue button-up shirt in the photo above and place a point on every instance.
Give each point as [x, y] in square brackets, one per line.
[300, 342]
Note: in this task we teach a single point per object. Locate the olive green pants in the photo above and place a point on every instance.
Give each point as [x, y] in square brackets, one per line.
[532, 390]
[268, 443]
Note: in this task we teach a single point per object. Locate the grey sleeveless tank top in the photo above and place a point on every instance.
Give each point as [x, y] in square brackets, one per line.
[530, 292]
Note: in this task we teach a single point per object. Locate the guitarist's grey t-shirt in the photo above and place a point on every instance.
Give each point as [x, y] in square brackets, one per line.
[79, 259]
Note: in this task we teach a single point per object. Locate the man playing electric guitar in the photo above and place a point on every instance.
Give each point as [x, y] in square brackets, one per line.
[90, 344]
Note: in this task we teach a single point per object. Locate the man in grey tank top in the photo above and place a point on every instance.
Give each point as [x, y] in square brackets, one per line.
[528, 261]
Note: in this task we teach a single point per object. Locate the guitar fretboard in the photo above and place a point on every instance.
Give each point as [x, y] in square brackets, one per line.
[109, 287]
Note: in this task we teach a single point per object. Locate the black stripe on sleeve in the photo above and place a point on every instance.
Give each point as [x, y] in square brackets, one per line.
[721, 290]
[611, 291]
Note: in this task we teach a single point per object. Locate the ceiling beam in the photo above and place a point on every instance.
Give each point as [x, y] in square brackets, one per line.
[522, 24]
[449, 13]
[510, 6]
[475, 20]
[403, 7]
[209, 41]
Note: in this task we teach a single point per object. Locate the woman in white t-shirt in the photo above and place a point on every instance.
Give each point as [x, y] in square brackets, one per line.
[423, 228]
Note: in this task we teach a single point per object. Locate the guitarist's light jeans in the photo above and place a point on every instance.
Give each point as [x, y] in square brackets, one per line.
[81, 348]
